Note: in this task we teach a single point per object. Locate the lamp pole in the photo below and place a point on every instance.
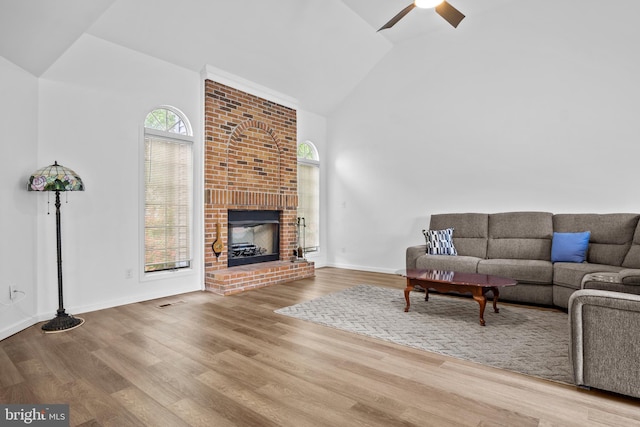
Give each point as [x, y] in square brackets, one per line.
[61, 311]
[62, 321]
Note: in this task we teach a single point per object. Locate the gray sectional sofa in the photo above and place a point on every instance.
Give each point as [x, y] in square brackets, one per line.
[602, 294]
[518, 245]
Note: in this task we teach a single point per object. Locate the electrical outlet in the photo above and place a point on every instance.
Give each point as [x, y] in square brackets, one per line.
[128, 273]
[13, 292]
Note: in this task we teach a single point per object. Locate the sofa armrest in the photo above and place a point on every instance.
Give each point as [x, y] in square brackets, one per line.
[413, 253]
[630, 276]
[605, 345]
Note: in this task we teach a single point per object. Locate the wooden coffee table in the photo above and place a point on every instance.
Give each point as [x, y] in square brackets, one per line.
[449, 281]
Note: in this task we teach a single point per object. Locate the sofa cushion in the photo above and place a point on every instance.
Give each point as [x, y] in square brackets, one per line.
[569, 247]
[570, 274]
[520, 235]
[632, 259]
[460, 263]
[440, 242]
[611, 234]
[471, 231]
[530, 271]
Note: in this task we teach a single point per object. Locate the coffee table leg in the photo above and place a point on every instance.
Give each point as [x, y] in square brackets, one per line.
[407, 291]
[496, 294]
[482, 300]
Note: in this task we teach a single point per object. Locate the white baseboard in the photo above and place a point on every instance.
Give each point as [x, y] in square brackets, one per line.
[76, 310]
[363, 268]
[127, 300]
[17, 327]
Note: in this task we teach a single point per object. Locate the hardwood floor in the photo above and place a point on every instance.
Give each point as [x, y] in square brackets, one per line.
[207, 360]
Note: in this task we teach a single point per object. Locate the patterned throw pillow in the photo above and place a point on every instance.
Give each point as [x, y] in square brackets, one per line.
[440, 242]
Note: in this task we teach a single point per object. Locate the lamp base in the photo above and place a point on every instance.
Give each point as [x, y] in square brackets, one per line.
[62, 322]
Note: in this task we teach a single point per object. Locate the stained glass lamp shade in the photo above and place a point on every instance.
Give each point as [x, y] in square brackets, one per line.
[57, 178]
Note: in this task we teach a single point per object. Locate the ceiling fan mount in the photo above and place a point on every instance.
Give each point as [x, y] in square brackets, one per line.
[452, 15]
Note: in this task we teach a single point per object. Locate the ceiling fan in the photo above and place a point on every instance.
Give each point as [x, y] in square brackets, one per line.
[452, 15]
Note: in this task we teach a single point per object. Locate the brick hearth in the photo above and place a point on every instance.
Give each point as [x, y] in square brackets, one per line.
[250, 163]
[232, 280]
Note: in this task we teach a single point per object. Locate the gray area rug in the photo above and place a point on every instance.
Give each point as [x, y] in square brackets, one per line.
[521, 339]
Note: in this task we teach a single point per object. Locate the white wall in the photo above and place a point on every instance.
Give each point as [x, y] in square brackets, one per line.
[93, 101]
[18, 261]
[535, 108]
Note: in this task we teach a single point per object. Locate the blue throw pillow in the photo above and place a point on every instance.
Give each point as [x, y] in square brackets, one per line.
[570, 247]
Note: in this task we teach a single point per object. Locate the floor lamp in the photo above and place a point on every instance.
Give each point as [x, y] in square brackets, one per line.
[57, 178]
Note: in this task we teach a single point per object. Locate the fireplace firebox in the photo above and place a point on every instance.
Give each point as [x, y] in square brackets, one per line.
[254, 236]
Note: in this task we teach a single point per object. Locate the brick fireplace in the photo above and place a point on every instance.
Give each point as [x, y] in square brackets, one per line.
[250, 164]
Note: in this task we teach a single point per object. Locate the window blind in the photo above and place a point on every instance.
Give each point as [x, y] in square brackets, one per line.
[168, 203]
[309, 204]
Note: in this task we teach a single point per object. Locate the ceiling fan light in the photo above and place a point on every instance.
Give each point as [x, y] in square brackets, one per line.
[426, 4]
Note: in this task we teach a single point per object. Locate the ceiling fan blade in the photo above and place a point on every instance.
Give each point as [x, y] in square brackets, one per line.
[452, 15]
[398, 17]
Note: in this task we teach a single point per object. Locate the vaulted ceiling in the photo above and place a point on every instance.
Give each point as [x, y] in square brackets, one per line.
[313, 50]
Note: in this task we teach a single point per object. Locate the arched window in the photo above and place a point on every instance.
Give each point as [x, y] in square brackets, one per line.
[309, 195]
[168, 189]
[166, 120]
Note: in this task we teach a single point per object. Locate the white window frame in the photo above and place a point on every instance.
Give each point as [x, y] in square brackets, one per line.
[315, 163]
[189, 138]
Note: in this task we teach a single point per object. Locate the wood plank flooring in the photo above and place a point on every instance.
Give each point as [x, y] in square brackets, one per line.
[207, 360]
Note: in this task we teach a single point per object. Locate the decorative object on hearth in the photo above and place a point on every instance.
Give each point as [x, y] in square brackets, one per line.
[57, 178]
[301, 227]
[452, 15]
[217, 245]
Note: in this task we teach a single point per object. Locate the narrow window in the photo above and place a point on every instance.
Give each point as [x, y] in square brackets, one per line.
[168, 183]
[309, 195]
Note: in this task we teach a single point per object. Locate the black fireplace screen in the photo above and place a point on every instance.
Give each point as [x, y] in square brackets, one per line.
[254, 236]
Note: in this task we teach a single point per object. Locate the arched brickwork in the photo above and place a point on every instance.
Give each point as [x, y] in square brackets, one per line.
[254, 159]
